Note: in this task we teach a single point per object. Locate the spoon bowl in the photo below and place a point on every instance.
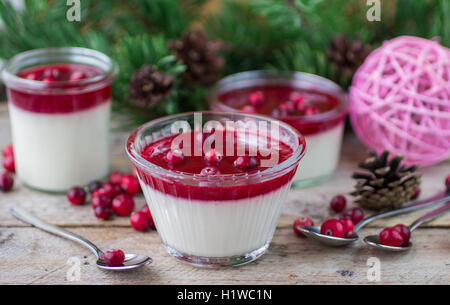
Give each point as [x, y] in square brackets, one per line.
[374, 241]
[313, 232]
[132, 261]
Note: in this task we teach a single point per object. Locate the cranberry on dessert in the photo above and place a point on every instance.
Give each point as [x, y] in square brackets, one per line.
[76, 195]
[113, 258]
[391, 237]
[130, 184]
[311, 110]
[103, 212]
[404, 231]
[248, 109]
[297, 98]
[101, 199]
[6, 181]
[246, 162]
[115, 177]
[174, 156]
[348, 225]
[112, 188]
[94, 185]
[333, 227]
[140, 221]
[338, 203]
[77, 75]
[213, 156]
[355, 214]
[287, 106]
[302, 221]
[8, 163]
[8, 151]
[210, 171]
[256, 99]
[146, 211]
[123, 205]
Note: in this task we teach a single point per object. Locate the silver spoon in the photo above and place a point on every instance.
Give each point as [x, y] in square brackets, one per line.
[313, 232]
[131, 260]
[374, 240]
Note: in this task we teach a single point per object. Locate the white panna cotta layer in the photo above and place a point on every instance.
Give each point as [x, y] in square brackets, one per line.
[55, 152]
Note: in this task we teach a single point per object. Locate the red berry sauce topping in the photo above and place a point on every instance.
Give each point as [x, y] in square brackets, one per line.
[302, 221]
[113, 258]
[256, 99]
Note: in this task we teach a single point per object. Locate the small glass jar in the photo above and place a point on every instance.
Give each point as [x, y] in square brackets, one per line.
[323, 131]
[59, 104]
[219, 220]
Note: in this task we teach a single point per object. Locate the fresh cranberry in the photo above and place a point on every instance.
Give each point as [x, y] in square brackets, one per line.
[404, 231]
[115, 177]
[146, 211]
[174, 156]
[6, 181]
[447, 182]
[416, 194]
[94, 185]
[310, 110]
[49, 79]
[348, 225]
[51, 72]
[77, 75]
[391, 237]
[213, 156]
[333, 227]
[113, 258]
[355, 214]
[101, 199]
[210, 171]
[287, 106]
[32, 76]
[130, 184]
[123, 205]
[297, 98]
[246, 162]
[8, 151]
[112, 188]
[8, 163]
[248, 109]
[140, 221]
[302, 221]
[338, 203]
[76, 195]
[256, 99]
[103, 212]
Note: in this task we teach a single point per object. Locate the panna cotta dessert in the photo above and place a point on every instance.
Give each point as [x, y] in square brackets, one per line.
[59, 104]
[215, 197]
[315, 106]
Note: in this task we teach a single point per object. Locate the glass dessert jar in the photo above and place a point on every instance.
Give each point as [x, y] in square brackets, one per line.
[59, 104]
[316, 106]
[213, 204]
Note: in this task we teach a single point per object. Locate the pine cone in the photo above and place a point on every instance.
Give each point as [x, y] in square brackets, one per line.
[387, 183]
[200, 55]
[148, 86]
[347, 55]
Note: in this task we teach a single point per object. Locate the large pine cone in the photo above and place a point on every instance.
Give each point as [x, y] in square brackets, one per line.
[200, 55]
[148, 86]
[386, 183]
[347, 54]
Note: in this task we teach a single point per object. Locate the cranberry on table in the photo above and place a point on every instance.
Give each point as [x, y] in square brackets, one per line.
[8, 163]
[210, 171]
[123, 205]
[348, 225]
[130, 184]
[76, 195]
[245, 162]
[404, 231]
[113, 258]
[391, 237]
[338, 203]
[333, 227]
[146, 211]
[416, 194]
[355, 214]
[101, 199]
[115, 177]
[6, 181]
[256, 99]
[94, 186]
[302, 221]
[112, 188]
[174, 156]
[248, 109]
[8, 151]
[103, 212]
[140, 221]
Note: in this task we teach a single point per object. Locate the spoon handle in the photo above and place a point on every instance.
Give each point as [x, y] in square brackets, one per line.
[429, 216]
[436, 199]
[27, 217]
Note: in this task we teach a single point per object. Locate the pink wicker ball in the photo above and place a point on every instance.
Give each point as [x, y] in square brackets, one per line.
[400, 100]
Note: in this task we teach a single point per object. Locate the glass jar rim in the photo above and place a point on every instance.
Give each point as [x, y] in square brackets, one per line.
[268, 173]
[253, 78]
[68, 55]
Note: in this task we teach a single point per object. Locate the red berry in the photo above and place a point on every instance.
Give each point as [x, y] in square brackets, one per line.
[333, 227]
[256, 99]
[113, 189]
[8, 151]
[297, 98]
[113, 258]
[287, 106]
[51, 72]
[355, 214]
[248, 109]
[338, 203]
[76, 195]
[123, 205]
[49, 79]
[146, 211]
[302, 221]
[103, 212]
[174, 156]
[130, 184]
[6, 181]
[348, 225]
[210, 171]
[213, 156]
[77, 75]
[404, 231]
[32, 76]
[100, 198]
[115, 177]
[140, 221]
[94, 185]
[416, 194]
[310, 110]
[278, 113]
[391, 237]
[245, 162]
[8, 163]
[447, 182]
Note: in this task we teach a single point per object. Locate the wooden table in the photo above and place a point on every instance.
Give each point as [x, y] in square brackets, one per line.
[30, 256]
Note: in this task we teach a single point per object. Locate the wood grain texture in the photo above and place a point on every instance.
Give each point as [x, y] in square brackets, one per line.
[30, 256]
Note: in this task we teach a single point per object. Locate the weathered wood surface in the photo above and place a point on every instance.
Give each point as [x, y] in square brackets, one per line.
[30, 256]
